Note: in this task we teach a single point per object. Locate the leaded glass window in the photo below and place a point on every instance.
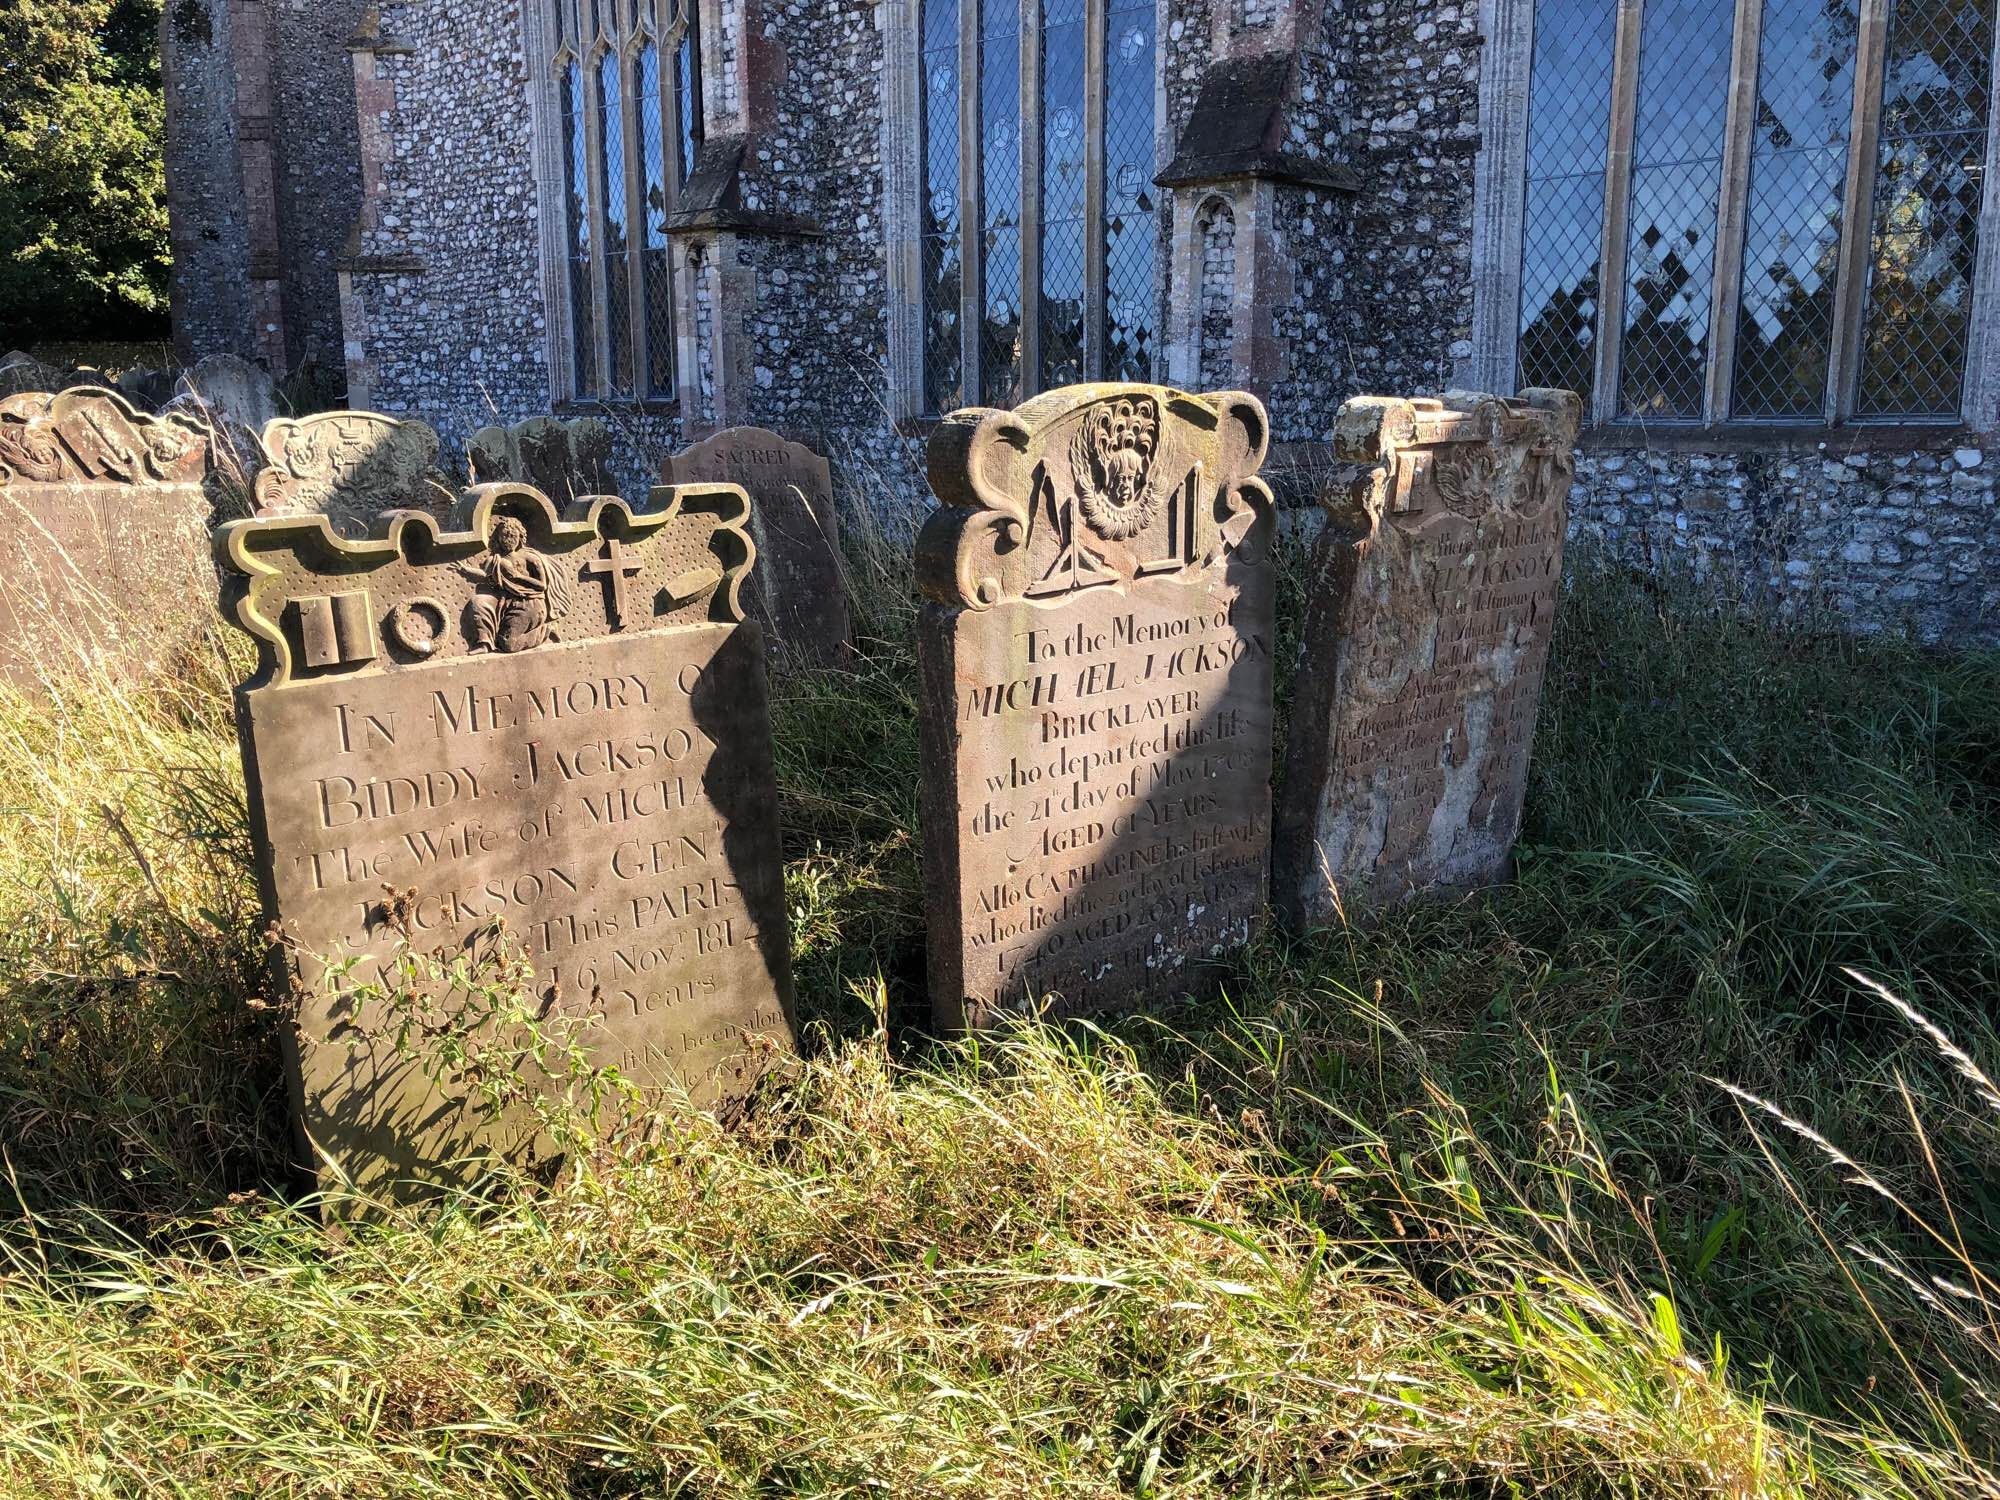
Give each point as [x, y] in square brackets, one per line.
[629, 131]
[1791, 199]
[1039, 221]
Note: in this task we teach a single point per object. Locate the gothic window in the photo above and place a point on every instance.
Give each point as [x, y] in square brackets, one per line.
[1755, 210]
[626, 80]
[1038, 224]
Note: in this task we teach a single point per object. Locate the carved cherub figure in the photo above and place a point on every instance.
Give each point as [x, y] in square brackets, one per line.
[520, 592]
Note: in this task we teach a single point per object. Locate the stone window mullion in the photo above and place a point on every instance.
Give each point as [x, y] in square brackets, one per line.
[1094, 28]
[1031, 196]
[1857, 213]
[1617, 208]
[1724, 301]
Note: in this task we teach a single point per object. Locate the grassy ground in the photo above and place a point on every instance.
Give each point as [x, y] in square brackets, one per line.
[1616, 1182]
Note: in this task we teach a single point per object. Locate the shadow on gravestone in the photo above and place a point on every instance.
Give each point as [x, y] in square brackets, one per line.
[799, 587]
[103, 521]
[1096, 710]
[351, 467]
[564, 460]
[1431, 600]
[561, 723]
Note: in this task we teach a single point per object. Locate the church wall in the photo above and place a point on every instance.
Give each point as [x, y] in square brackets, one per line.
[320, 170]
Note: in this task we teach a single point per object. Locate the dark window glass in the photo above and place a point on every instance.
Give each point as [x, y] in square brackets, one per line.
[1685, 51]
[577, 211]
[1131, 222]
[658, 280]
[617, 275]
[1791, 240]
[1561, 251]
[941, 248]
[687, 90]
[1000, 188]
[1924, 240]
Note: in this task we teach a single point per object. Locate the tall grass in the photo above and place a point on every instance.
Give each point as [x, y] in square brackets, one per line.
[1614, 1182]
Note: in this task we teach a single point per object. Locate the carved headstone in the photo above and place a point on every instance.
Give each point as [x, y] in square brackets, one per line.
[558, 723]
[564, 460]
[351, 467]
[1096, 669]
[1431, 601]
[103, 524]
[799, 590]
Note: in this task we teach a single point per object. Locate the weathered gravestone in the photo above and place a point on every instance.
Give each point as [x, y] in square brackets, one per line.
[350, 466]
[104, 524]
[564, 460]
[1431, 600]
[799, 590]
[1096, 712]
[558, 723]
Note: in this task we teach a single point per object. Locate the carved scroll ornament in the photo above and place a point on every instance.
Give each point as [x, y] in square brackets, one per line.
[90, 435]
[1092, 486]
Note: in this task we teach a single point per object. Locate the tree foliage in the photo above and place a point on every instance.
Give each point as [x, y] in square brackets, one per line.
[83, 202]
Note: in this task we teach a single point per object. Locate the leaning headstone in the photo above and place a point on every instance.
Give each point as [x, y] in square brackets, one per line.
[351, 467]
[237, 392]
[103, 522]
[21, 374]
[564, 460]
[561, 723]
[798, 589]
[1096, 659]
[1431, 600]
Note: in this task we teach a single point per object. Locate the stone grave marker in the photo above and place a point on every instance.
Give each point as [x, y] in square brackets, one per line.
[799, 590]
[1095, 652]
[349, 466]
[104, 525]
[1432, 596]
[561, 723]
[564, 460]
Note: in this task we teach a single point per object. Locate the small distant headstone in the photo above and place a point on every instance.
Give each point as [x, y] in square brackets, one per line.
[147, 389]
[21, 374]
[798, 589]
[1096, 697]
[103, 523]
[235, 391]
[1432, 597]
[351, 467]
[556, 722]
[564, 460]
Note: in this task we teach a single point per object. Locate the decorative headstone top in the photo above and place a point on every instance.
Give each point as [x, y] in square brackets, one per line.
[88, 435]
[510, 577]
[1088, 487]
[351, 467]
[1464, 455]
[564, 460]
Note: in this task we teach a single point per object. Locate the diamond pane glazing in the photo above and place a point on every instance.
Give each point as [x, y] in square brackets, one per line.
[942, 279]
[1000, 193]
[576, 164]
[1924, 238]
[687, 91]
[1131, 223]
[617, 277]
[1798, 172]
[657, 283]
[1060, 324]
[1685, 51]
[1569, 121]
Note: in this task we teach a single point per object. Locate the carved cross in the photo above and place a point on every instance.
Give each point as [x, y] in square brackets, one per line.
[614, 568]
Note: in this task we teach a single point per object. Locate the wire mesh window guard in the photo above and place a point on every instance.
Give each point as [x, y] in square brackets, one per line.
[1791, 193]
[1038, 225]
[631, 125]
